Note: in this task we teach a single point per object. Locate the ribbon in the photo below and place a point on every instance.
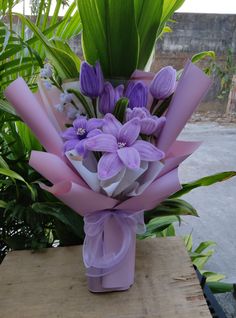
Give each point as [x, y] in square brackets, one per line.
[98, 260]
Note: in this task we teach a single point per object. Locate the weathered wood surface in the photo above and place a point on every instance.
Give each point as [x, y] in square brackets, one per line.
[52, 284]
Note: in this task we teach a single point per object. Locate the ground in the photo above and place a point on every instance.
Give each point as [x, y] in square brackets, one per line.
[216, 205]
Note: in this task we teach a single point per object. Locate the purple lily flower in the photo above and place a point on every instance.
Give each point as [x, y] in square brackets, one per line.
[149, 124]
[164, 83]
[137, 93]
[91, 80]
[120, 147]
[82, 129]
[109, 97]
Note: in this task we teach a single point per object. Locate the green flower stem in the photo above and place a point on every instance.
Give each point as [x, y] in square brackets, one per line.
[82, 100]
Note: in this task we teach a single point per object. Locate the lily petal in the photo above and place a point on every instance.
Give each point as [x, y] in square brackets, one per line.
[109, 165]
[80, 148]
[129, 132]
[70, 144]
[148, 126]
[69, 133]
[102, 142]
[94, 123]
[130, 157]
[147, 151]
[80, 122]
[93, 133]
[111, 125]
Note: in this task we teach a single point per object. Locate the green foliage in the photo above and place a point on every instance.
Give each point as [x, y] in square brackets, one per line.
[29, 216]
[224, 72]
[203, 182]
[123, 45]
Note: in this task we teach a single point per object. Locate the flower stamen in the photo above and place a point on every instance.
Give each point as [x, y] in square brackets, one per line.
[121, 144]
[80, 131]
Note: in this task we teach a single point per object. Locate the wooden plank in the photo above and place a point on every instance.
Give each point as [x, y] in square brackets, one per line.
[52, 284]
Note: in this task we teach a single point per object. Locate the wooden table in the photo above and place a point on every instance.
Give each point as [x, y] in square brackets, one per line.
[52, 284]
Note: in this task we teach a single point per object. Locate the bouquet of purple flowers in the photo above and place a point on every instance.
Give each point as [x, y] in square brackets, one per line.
[111, 153]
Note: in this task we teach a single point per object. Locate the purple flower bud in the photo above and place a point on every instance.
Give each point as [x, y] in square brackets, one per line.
[163, 84]
[109, 97]
[137, 93]
[91, 80]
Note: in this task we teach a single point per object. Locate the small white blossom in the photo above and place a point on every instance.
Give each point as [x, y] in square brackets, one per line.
[60, 108]
[48, 85]
[46, 71]
[66, 98]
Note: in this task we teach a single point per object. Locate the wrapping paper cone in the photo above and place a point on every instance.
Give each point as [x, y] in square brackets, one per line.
[29, 109]
[190, 90]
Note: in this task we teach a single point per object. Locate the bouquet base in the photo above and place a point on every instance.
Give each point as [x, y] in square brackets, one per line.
[114, 256]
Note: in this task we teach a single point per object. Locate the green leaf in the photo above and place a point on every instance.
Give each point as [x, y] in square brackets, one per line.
[63, 214]
[62, 61]
[171, 207]
[220, 287]
[120, 109]
[14, 175]
[149, 14]
[169, 7]
[204, 182]
[204, 245]
[212, 276]
[3, 204]
[202, 55]
[158, 224]
[188, 241]
[110, 35]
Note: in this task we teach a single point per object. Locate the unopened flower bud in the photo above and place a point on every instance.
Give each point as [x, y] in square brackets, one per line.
[163, 84]
[91, 80]
[109, 97]
[137, 93]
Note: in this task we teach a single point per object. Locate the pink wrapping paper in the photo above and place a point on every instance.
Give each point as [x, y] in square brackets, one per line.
[29, 109]
[191, 88]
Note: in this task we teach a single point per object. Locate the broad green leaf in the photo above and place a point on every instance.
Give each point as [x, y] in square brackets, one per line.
[110, 35]
[171, 207]
[202, 55]
[12, 174]
[201, 259]
[158, 224]
[63, 214]
[204, 182]
[148, 16]
[212, 276]
[3, 204]
[58, 43]
[221, 287]
[204, 245]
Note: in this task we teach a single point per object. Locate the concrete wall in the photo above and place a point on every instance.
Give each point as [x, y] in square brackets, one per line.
[193, 33]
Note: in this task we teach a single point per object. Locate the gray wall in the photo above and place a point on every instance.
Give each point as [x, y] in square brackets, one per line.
[193, 33]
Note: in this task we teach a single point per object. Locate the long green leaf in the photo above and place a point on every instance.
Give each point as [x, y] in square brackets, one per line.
[204, 182]
[171, 207]
[62, 61]
[149, 14]
[110, 35]
[14, 175]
